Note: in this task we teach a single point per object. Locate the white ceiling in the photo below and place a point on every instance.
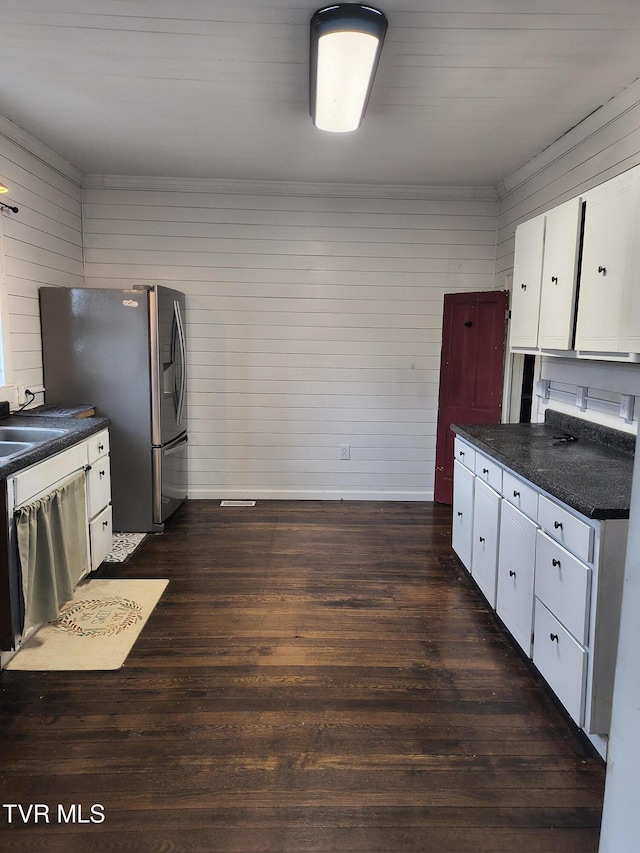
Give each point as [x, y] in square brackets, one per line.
[466, 92]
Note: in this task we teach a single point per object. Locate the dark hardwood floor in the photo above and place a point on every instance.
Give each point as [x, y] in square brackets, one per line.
[318, 676]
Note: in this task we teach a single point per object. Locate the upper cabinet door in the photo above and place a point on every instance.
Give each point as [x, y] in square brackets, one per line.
[527, 277]
[630, 337]
[606, 264]
[560, 275]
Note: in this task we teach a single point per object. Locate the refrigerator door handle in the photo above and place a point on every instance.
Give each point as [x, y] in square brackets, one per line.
[183, 361]
[175, 446]
[156, 429]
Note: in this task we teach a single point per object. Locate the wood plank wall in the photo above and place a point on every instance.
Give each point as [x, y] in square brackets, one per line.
[42, 242]
[601, 147]
[314, 320]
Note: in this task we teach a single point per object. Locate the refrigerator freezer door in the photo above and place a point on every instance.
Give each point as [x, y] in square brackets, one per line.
[169, 478]
[168, 347]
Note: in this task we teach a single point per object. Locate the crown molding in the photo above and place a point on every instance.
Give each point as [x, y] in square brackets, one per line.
[27, 142]
[289, 188]
[609, 112]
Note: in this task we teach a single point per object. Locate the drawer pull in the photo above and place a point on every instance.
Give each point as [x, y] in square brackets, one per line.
[485, 470]
[554, 279]
[101, 474]
[461, 453]
[105, 523]
[523, 286]
[516, 494]
[482, 539]
[459, 514]
[602, 270]
[101, 447]
[554, 638]
[557, 525]
[512, 574]
[555, 562]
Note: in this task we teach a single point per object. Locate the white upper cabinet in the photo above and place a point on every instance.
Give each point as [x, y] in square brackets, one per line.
[606, 264]
[560, 276]
[527, 279]
[587, 256]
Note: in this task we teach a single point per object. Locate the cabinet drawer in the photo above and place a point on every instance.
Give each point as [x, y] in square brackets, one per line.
[576, 535]
[562, 661]
[45, 474]
[98, 445]
[521, 495]
[100, 535]
[98, 486]
[489, 471]
[465, 454]
[563, 584]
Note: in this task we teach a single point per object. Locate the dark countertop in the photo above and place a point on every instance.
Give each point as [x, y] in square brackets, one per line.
[591, 476]
[78, 430]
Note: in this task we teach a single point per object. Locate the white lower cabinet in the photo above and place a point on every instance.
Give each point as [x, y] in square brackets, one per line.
[563, 584]
[561, 660]
[39, 480]
[554, 578]
[516, 567]
[98, 479]
[484, 550]
[462, 522]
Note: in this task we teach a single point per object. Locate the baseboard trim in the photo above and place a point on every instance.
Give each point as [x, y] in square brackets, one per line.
[308, 495]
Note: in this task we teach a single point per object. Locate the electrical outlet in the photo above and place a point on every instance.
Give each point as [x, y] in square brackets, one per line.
[345, 451]
[20, 395]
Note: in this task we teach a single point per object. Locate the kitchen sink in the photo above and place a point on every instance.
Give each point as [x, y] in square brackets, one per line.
[30, 435]
[12, 448]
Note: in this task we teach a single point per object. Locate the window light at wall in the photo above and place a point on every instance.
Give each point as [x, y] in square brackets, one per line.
[346, 41]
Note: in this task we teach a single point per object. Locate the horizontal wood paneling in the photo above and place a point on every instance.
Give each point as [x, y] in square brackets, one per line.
[42, 245]
[313, 321]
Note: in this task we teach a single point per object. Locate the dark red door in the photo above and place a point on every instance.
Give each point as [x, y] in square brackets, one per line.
[471, 370]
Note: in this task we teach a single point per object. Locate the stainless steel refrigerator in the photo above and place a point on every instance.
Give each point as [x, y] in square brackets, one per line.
[124, 352]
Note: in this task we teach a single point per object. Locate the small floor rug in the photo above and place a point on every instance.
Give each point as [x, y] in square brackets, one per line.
[96, 630]
[123, 545]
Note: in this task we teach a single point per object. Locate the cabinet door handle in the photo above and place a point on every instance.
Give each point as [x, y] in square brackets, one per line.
[523, 286]
[105, 523]
[557, 525]
[101, 473]
[485, 470]
[554, 637]
[555, 562]
[459, 514]
[482, 539]
[554, 279]
[461, 453]
[516, 494]
[512, 574]
[602, 270]
[101, 447]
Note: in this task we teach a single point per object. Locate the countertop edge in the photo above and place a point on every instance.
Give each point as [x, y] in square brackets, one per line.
[596, 513]
[78, 430]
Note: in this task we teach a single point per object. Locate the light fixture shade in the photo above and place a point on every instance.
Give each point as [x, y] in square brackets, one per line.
[346, 41]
